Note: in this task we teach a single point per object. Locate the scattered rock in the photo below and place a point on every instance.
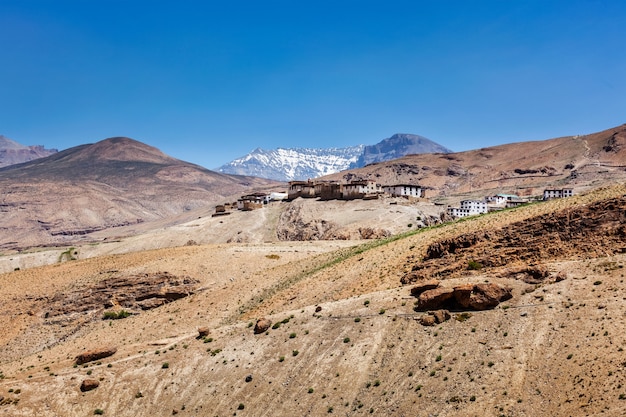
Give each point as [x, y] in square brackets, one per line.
[262, 325]
[89, 384]
[203, 332]
[428, 320]
[424, 286]
[440, 315]
[561, 276]
[95, 354]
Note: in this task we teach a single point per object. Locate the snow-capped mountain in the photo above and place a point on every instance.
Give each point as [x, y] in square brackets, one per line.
[288, 164]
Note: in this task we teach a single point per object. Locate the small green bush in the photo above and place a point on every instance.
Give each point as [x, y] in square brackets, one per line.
[165, 365]
[98, 411]
[115, 315]
[473, 265]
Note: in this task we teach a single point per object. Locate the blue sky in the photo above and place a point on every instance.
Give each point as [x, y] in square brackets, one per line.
[208, 81]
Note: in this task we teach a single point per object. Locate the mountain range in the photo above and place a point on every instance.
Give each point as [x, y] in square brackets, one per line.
[287, 164]
[12, 153]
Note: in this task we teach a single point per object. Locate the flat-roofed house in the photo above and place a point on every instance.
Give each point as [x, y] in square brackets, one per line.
[404, 190]
[304, 189]
[361, 189]
[557, 193]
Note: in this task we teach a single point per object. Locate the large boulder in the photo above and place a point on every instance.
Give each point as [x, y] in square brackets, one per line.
[434, 299]
[89, 384]
[430, 284]
[462, 297]
[262, 325]
[480, 296]
[93, 355]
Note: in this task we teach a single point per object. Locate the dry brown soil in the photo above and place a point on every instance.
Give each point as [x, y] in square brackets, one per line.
[555, 348]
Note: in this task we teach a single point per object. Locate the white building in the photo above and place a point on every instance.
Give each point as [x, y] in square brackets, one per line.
[562, 193]
[404, 190]
[468, 208]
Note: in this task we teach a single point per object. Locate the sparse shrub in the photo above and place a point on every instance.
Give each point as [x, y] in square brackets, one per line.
[292, 335]
[272, 256]
[490, 364]
[115, 315]
[462, 316]
[311, 390]
[165, 365]
[276, 325]
[597, 283]
[281, 359]
[241, 406]
[139, 395]
[366, 303]
[357, 319]
[377, 383]
[346, 340]
[98, 411]
[570, 356]
[473, 398]
[382, 311]
[438, 358]
[473, 265]
[330, 410]
[294, 353]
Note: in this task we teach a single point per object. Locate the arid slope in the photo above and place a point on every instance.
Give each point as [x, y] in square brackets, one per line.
[348, 343]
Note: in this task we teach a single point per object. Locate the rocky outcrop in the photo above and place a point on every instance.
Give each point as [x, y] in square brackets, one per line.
[94, 355]
[134, 292]
[593, 230]
[461, 297]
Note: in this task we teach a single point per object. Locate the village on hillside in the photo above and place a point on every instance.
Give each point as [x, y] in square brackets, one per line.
[369, 190]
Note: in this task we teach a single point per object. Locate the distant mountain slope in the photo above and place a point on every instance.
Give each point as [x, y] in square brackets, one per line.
[397, 146]
[286, 164]
[524, 168]
[12, 153]
[114, 182]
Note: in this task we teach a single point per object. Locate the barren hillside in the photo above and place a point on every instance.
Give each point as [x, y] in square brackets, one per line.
[582, 162]
[348, 340]
[116, 182]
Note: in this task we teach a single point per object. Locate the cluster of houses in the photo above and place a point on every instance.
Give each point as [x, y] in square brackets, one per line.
[500, 201]
[357, 189]
[368, 189]
[323, 190]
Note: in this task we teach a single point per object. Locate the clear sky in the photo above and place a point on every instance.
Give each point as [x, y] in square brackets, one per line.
[208, 81]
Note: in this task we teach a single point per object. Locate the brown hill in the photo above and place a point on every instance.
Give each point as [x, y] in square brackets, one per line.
[345, 338]
[112, 183]
[525, 168]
